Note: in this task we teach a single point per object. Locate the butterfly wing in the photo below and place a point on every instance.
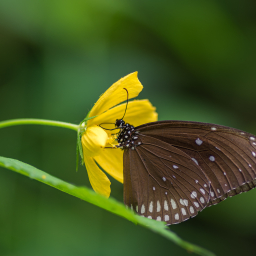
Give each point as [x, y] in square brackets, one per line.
[218, 160]
[163, 183]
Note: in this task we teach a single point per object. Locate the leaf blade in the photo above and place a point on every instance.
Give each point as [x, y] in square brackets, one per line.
[90, 196]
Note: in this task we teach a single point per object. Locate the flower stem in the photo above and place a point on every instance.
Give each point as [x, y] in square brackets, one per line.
[13, 122]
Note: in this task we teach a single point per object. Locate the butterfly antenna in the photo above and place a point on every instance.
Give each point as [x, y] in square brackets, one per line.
[126, 102]
[106, 128]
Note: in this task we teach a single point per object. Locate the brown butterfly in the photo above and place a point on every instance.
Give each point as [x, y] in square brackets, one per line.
[174, 169]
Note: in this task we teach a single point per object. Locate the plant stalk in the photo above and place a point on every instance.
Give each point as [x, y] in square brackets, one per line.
[13, 122]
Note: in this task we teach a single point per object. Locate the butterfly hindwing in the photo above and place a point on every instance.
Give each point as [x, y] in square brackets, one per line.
[166, 183]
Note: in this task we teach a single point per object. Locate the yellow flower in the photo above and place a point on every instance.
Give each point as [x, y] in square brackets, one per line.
[97, 143]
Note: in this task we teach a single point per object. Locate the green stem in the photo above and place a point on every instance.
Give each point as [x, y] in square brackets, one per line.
[39, 122]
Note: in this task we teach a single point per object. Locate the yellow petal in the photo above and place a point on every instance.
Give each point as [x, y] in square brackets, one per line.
[98, 179]
[111, 160]
[138, 112]
[94, 139]
[116, 94]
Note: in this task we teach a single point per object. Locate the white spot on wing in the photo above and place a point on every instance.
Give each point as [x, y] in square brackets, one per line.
[196, 181]
[191, 209]
[212, 194]
[205, 185]
[158, 218]
[193, 195]
[165, 193]
[150, 217]
[142, 209]
[158, 206]
[252, 138]
[166, 205]
[175, 166]
[218, 190]
[181, 202]
[202, 190]
[253, 153]
[199, 142]
[212, 158]
[202, 200]
[183, 211]
[196, 204]
[164, 179]
[176, 216]
[151, 206]
[174, 205]
[185, 201]
[213, 128]
[154, 188]
[166, 217]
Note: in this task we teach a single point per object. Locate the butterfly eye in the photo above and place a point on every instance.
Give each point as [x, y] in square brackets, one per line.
[119, 123]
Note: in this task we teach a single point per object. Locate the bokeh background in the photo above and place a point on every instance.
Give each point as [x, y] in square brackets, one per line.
[196, 60]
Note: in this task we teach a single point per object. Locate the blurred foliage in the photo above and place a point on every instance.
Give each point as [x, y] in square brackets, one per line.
[196, 60]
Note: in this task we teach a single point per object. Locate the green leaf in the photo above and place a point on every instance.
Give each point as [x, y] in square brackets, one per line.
[90, 196]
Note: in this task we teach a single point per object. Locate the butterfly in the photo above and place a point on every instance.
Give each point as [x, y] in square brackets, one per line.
[174, 169]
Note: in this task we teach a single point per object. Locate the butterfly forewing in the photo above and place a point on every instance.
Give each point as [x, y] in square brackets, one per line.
[226, 155]
[167, 184]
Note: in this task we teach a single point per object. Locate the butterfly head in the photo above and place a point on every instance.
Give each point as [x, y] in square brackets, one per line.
[120, 123]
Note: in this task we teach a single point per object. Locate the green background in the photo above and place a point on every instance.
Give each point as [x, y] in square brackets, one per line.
[196, 60]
